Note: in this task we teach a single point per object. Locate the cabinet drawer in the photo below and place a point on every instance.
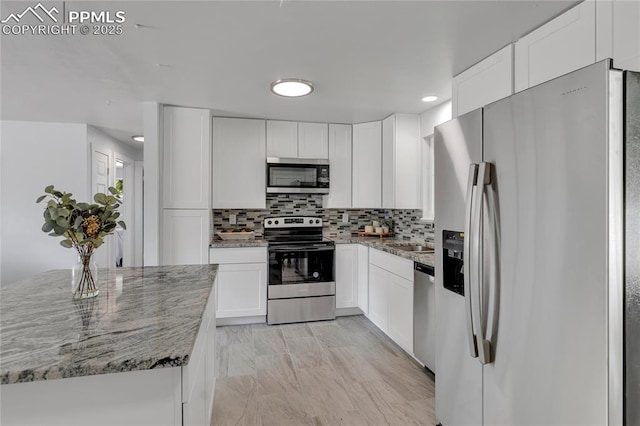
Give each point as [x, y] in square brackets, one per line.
[238, 255]
[394, 264]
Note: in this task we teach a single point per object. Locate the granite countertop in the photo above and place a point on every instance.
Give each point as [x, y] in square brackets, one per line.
[384, 244]
[143, 318]
[218, 243]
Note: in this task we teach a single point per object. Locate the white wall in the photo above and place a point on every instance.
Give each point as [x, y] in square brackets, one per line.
[100, 139]
[32, 156]
[434, 116]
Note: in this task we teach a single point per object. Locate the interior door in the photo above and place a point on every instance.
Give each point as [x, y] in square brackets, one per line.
[101, 181]
[547, 312]
[458, 143]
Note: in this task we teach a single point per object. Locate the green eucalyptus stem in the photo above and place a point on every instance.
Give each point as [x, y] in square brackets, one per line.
[87, 282]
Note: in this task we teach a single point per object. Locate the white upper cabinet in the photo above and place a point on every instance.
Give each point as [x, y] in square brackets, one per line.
[289, 139]
[339, 166]
[618, 33]
[401, 162]
[485, 82]
[313, 140]
[187, 158]
[367, 165]
[282, 139]
[239, 163]
[562, 45]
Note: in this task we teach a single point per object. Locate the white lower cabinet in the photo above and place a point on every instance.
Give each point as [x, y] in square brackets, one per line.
[363, 278]
[242, 281]
[378, 297]
[198, 377]
[346, 276]
[391, 296]
[400, 311]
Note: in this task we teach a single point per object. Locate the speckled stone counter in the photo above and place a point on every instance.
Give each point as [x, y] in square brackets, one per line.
[144, 318]
[384, 244]
[217, 243]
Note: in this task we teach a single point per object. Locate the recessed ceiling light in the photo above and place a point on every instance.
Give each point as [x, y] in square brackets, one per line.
[138, 138]
[429, 98]
[291, 87]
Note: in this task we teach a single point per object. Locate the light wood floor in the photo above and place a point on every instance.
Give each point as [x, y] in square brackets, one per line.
[342, 372]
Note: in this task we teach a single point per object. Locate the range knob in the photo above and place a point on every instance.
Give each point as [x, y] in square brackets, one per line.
[317, 220]
[277, 222]
[268, 222]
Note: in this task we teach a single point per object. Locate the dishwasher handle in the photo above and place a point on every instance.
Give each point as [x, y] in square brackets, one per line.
[425, 269]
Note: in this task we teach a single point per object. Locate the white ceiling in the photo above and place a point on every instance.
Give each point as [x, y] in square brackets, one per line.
[366, 59]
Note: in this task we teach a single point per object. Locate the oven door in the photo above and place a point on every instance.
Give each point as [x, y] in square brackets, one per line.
[290, 177]
[301, 271]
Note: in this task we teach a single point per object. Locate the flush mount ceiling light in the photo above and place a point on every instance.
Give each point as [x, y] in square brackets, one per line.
[138, 138]
[429, 98]
[291, 87]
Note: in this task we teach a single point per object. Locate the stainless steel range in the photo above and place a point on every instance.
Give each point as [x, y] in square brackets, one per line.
[301, 270]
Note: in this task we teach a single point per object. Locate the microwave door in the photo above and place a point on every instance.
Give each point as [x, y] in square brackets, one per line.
[292, 177]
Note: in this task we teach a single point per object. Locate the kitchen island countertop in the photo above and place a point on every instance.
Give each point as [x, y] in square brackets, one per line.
[144, 318]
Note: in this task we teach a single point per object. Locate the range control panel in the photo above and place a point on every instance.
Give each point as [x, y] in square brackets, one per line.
[293, 222]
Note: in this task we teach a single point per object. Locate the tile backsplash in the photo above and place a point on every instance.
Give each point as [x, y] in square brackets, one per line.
[406, 224]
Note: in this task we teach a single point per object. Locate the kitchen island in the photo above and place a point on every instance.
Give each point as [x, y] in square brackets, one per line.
[141, 352]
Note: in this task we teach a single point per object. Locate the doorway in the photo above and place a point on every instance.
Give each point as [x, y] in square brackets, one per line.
[124, 183]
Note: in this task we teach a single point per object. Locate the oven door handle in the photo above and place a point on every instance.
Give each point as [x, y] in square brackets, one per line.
[300, 248]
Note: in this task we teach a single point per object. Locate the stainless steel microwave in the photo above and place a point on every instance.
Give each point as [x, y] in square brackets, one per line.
[297, 176]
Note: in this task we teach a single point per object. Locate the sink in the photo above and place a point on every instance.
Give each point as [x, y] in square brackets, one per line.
[417, 248]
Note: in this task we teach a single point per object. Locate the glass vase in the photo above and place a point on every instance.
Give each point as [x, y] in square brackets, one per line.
[84, 277]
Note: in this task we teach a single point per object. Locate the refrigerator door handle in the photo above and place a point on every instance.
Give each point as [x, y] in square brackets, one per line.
[483, 181]
[467, 261]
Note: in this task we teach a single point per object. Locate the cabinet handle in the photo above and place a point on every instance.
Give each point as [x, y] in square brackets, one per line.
[482, 181]
[467, 259]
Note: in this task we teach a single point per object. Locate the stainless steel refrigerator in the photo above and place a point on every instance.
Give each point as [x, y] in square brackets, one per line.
[537, 200]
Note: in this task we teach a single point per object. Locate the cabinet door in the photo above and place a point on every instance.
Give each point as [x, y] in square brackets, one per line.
[378, 297]
[388, 162]
[346, 275]
[210, 353]
[367, 165]
[187, 158]
[194, 410]
[400, 298]
[340, 166]
[562, 45]
[282, 139]
[313, 140]
[485, 82]
[242, 290]
[363, 278]
[618, 33]
[406, 157]
[185, 237]
[239, 163]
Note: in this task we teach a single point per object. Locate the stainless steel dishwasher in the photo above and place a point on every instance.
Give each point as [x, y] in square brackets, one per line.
[424, 315]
